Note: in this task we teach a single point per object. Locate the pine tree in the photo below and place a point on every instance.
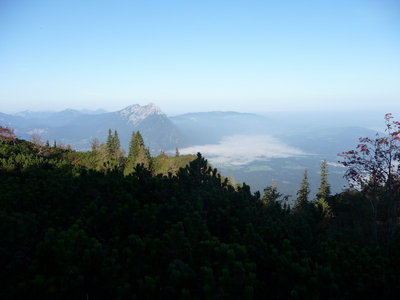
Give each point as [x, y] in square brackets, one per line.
[324, 189]
[177, 152]
[138, 154]
[110, 145]
[133, 147]
[274, 200]
[147, 160]
[271, 194]
[303, 192]
[116, 142]
[139, 139]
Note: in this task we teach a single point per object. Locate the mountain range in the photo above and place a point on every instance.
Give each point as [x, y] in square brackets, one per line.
[256, 149]
[79, 128]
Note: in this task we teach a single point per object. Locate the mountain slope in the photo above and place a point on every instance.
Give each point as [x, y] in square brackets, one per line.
[78, 129]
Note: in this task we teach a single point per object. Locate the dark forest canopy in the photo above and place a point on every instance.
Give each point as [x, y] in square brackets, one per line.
[79, 226]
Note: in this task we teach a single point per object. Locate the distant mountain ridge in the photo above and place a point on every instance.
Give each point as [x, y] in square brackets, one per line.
[28, 114]
[217, 114]
[79, 128]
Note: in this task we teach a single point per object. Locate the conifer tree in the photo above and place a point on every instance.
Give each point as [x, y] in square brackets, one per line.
[147, 161]
[324, 189]
[138, 153]
[133, 147]
[113, 147]
[177, 152]
[274, 200]
[109, 144]
[271, 194]
[116, 142]
[303, 192]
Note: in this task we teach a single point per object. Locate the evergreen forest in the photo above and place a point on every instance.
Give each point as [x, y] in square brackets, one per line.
[105, 224]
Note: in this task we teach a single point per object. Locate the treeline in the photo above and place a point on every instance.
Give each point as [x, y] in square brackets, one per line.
[72, 230]
[110, 156]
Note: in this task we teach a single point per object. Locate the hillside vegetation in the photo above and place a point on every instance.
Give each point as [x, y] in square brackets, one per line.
[99, 225]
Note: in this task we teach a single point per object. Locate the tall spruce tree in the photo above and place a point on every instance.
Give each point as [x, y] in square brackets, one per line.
[133, 147]
[113, 148]
[271, 194]
[143, 156]
[110, 144]
[116, 142]
[324, 189]
[138, 154]
[303, 192]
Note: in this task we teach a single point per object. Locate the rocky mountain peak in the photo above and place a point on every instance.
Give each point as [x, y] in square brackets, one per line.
[136, 113]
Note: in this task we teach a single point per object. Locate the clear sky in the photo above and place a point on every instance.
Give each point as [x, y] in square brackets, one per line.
[200, 55]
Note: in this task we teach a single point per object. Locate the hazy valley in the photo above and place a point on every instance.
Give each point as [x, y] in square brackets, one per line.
[259, 149]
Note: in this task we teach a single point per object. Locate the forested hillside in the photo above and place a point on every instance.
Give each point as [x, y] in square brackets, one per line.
[104, 225]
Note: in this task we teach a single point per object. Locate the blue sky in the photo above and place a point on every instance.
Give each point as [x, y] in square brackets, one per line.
[200, 55]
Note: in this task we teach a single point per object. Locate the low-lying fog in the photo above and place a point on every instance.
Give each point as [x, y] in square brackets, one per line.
[244, 149]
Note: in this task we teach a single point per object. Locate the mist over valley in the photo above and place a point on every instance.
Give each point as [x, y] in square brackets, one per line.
[258, 149]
